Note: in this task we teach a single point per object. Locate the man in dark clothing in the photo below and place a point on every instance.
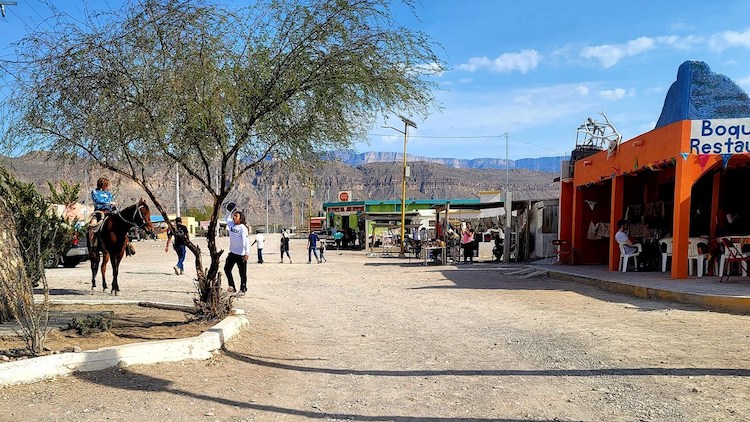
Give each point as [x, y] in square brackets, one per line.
[179, 244]
[312, 247]
[284, 247]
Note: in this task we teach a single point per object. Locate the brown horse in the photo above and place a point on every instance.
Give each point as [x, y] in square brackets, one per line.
[112, 239]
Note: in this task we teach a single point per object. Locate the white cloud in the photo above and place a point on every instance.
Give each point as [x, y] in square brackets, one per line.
[613, 94]
[681, 43]
[727, 39]
[583, 90]
[744, 82]
[460, 81]
[522, 61]
[392, 139]
[610, 54]
[430, 69]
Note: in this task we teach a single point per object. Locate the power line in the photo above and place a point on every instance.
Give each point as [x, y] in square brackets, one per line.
[447, 137]
[479, 137]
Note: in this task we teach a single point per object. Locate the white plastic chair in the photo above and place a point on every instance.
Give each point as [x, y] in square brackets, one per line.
[729, 253]
[665, 245]
[625, 257]
[694, 254]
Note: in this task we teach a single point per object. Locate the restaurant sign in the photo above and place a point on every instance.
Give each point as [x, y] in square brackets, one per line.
[345, 196]
[354, 208]
[720, 136]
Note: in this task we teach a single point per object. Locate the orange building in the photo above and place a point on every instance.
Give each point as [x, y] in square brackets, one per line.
[675, 181]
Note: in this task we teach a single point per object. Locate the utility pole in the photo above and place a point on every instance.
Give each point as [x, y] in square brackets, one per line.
[405, 174]
[4, 3]
[508, 204]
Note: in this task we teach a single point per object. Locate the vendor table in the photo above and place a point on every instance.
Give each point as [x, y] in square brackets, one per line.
[427, 252]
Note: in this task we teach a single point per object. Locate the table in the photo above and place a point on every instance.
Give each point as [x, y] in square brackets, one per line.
[427, 251]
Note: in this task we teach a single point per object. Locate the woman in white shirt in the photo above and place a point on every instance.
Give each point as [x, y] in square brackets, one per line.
[239, 249]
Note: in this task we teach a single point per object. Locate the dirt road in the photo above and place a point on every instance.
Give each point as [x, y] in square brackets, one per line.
[375, 339]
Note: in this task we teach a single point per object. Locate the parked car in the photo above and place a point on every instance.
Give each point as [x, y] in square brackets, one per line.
[73, 253]
[138, 234]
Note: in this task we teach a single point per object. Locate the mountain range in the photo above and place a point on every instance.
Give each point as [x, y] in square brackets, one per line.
[548, 164]
[286, 196]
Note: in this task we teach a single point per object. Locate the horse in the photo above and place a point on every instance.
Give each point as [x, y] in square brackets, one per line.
[112, 238]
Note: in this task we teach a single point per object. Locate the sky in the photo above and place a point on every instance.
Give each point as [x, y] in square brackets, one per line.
[534, 70]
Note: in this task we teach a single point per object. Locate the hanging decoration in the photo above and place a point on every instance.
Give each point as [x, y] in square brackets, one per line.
[684, 156]
[703, 159]
[725, 159]
[635, 166]
[592, 204]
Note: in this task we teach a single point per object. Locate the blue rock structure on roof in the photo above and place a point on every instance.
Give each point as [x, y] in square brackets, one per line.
[698, 93]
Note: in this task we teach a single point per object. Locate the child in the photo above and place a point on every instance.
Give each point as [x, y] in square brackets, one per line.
[103, 199]
[322, 250]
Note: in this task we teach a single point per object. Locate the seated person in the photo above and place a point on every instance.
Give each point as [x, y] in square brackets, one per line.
[103, 199]
[498, 249]
[623, 239]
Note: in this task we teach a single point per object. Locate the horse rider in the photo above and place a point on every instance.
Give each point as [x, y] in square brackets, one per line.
[103, 199]
[104, 203]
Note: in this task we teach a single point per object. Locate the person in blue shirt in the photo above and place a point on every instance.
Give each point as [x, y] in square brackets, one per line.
[104, 202]
[312, 247]
[102, 197]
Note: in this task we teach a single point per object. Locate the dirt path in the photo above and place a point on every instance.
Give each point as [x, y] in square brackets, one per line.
[367, 339]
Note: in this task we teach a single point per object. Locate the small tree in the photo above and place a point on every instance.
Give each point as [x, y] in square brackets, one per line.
[39, 234]
[215, 90]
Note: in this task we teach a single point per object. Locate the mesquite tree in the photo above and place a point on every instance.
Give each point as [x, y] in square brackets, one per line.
[215, 90]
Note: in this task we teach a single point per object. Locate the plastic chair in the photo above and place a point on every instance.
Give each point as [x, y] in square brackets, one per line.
[625, 257]
[694, 254]
[733, 254]
[665, 245]
[564, 250]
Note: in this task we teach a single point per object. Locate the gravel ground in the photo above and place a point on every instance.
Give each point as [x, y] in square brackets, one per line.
[378, 339]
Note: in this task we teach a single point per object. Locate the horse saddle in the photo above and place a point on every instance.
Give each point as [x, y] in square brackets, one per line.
[100, 217]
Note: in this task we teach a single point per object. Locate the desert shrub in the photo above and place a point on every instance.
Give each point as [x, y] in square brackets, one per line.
[89, 325]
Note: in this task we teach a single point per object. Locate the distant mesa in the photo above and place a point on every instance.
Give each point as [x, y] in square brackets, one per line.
[698, 93]
[353, 158]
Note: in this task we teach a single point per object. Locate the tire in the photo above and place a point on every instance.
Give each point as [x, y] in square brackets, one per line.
[52, 261]
[70, 263]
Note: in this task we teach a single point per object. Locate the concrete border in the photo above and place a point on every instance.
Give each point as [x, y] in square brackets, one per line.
[729, 304]
[200, 347]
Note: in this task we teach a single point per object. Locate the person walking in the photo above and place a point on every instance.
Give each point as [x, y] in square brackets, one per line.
[259, 241]
[312, 247]
[284, 246]
[239, 248]
[467, 242]
[180, 236]
[322, 250]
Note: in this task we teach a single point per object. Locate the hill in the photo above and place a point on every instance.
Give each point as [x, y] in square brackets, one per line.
[288, 197]
[547, 164]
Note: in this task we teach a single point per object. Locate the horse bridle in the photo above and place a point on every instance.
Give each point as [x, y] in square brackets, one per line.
[138, 213]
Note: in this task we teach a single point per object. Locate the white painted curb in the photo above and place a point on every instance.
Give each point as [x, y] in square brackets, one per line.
[200, 347]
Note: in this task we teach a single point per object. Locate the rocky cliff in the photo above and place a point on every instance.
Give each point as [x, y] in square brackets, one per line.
[548, 164]
[289, 198]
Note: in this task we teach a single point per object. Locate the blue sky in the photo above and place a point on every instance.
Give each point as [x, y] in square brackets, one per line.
[537, 69]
